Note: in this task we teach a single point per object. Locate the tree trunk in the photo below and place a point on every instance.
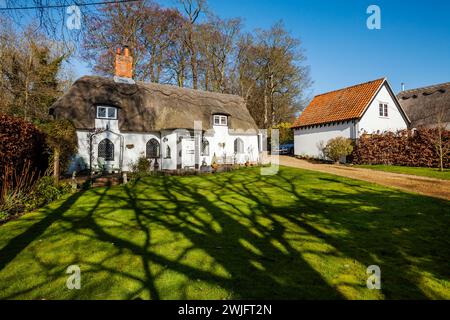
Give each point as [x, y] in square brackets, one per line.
[180, 76]
[440, 149]
[27, 84]
[266, 116]
[56, 154]
[158, 68]
[194, 70]
[272, 107]
[206, 79]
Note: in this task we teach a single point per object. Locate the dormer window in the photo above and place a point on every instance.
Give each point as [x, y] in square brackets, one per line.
[220, 120]
[104, 112]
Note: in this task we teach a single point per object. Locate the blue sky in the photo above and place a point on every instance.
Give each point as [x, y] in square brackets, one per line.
[413, 45]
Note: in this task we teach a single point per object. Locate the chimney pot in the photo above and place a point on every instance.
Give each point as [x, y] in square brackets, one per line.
[123, 63]
[126, 51]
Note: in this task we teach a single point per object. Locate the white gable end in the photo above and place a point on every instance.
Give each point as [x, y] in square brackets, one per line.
[372, 121]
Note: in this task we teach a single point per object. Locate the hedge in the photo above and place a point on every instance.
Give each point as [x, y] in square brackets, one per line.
[21, 142]
[405, 148]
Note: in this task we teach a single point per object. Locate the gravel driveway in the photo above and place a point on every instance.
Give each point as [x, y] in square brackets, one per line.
[427, 186]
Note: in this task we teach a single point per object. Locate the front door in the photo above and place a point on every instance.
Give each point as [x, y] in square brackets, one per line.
[188, 153]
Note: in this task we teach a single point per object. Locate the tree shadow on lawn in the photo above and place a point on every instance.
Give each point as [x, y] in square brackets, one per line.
[252, 236]
[405, 234]
[21, 241]
[253, 267]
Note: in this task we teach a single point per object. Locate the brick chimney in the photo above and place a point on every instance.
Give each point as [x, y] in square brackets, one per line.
[123, 63]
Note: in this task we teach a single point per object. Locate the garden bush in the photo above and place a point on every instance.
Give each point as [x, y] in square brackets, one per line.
[29, 198]
[338, 148]
[21, 143]
[25, 182]
[62, 142]
[140, 168]
[45, 191]
[415, 148]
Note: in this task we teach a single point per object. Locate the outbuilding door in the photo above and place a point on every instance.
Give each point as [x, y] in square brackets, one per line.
[188, 153]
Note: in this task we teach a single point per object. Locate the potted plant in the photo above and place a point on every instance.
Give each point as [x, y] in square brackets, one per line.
[214, 164]
[204, 167]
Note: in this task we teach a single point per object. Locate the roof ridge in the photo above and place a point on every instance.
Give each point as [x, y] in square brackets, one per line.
[355, 85]
[425, 88]
[195, 91]
[170, 86]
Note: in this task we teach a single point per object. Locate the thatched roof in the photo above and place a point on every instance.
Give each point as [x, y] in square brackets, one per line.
[423, 104]
[146, 107]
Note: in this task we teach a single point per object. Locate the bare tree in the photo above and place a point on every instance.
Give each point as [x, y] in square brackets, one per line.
[439, 110]
[272, 75]
[192, 10]
[50, 17]
[177, 62]
[113, 26]
[431, 109]
[218, 47]
[162, 34]
[188, 46]
[153, 34]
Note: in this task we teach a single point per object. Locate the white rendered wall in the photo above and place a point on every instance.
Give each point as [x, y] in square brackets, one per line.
[307, 142]
[130, 155]
[134, 146]
[372, 121]
[169, 138]
[112, 125]
[81, 160]
[221, 134]
[139, 142]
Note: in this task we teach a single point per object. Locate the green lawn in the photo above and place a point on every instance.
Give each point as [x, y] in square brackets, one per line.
[425, 172]
[297, 235]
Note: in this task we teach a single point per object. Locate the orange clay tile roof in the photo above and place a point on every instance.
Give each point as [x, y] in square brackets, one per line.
[339, 105]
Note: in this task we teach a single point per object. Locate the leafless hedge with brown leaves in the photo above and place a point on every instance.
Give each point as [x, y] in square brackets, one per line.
[22, 145]
[414, 148]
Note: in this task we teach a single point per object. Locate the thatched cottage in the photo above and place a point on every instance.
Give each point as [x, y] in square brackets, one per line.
[427, 106]
[118, 121]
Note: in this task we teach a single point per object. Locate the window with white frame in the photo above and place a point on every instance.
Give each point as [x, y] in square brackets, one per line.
[383, 109]
[104, 112]
[220, 120]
